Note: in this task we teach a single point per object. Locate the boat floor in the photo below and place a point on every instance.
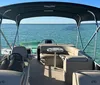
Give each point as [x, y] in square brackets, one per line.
[37, 76]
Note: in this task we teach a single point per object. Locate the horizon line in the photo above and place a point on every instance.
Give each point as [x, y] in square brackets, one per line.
[52, 23]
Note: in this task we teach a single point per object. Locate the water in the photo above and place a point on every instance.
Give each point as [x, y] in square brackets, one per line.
[61, 33]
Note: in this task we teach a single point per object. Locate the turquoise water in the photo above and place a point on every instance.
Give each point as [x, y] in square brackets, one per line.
[61, 33]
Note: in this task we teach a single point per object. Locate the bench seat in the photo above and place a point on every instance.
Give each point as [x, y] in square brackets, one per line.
[86, 77]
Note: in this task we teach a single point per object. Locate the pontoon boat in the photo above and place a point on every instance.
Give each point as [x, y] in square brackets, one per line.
[54, 64]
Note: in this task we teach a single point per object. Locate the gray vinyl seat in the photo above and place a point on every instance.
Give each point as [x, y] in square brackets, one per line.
[48, 56]
[75, 63]
[86, 77]
[4, 64]
[16, 62]
[20, 50]
[19, 54]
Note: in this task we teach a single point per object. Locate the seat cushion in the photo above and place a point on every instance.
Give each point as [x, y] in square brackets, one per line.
[48, 59]
[86, 77]
[21, 50]
[8, 77]
[75, 63]
[47, 49]
[77, 59]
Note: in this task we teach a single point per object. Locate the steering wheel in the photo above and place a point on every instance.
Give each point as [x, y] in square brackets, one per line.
[16, 56]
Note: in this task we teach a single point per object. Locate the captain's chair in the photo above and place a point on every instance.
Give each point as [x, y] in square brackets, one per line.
[16, 62]
[20, 50]
[48, 41]
[19, 54]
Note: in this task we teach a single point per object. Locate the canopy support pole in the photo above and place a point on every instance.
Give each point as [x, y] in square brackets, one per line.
[17, 23]
[0, 35]
[79, 34]
[91, 38]
[5, 39]
[77, 39]
[94, 35]
[16, 35]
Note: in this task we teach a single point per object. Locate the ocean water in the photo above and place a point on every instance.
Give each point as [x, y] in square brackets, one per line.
[60, 33]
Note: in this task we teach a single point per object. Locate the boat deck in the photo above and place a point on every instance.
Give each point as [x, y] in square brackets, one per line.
[38, 77]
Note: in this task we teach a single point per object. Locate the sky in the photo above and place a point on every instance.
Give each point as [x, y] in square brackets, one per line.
[47, 20]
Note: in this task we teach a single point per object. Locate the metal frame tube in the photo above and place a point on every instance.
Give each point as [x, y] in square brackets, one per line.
[77, 37]
[17, 23]
[91, 38]
[5, 39]
[18, 26]
[16, 36]
[55, 60]
[94, 35]
[78, 33]
[94, 32]
[0, 34]
[80, 38]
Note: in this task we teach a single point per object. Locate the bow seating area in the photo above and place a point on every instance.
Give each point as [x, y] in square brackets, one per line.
[68, 60]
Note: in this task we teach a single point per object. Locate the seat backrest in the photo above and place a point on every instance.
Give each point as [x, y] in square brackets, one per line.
[86, 77]
[16, 66]
[75, 63]
[48, 49]
[20, 50]
[16, 62]
[72, 50]
[4, 64]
